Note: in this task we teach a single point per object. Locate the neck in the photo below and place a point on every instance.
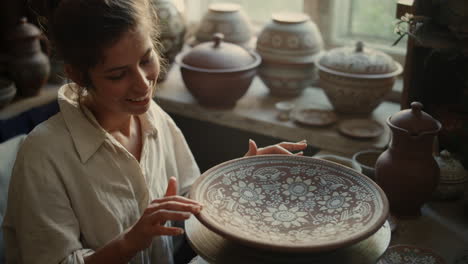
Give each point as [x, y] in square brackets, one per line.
[111, 121]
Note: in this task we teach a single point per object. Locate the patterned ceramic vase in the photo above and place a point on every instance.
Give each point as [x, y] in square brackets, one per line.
[228, 19]
[356, 79]
[453, 177]
[172, 32]
[288, 46]
[29, 67]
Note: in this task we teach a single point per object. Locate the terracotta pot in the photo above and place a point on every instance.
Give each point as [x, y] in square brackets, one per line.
[228, 19]
[29, 67]
[356, 79]
[288, 45]
[407, 170]
[217, 73]
[172, 32]
[366, 160]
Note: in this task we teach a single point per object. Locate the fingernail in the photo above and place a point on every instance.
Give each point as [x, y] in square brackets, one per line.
[180, 231]
[300, 153]
[303, 141]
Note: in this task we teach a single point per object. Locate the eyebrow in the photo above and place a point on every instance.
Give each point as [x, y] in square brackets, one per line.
[123, 67]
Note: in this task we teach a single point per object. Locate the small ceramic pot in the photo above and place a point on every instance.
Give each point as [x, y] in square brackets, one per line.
[7, 91]
[228, 19]
[289, 45]
[341, 160]
[366, 160]
[172, 32]
[453, 177]
[357, 79]
[218, 73]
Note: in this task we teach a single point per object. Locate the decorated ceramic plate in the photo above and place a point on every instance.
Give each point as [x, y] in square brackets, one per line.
[361, 128]
[403, 254]
[314, 117]
[289, 203]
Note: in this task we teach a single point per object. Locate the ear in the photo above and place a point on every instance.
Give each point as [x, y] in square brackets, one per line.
[75, 75]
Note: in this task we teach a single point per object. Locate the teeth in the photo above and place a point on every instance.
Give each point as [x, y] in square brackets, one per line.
[138, 99]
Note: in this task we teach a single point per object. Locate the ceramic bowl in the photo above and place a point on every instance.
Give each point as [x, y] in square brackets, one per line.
[288, 45]
[341, 160]
[356, 79]
[366, 159]
[289, 203]
[228, 19]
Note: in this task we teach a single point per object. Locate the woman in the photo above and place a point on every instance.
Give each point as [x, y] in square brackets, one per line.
[99, 181]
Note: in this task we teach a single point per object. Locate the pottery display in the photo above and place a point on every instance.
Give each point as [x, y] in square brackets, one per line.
[215, 249]
[172, 25]
[7, 91]
[228, 19]
[407, 170]
[289, 203]
[28, 66]
[453, 177]
[357, 79]
[288, 45]
[314, 117]
[405, 254]
[218, 73]
[366, 159]
[361, 128]
[340, 160]
[284, 110]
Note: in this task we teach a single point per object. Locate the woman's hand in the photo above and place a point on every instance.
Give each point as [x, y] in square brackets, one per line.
[169, 208]
[280, 148]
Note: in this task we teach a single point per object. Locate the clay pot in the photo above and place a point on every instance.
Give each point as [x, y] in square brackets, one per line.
[407, 170]
[366, 159]
[288, 45]
[29, 66]
[357, 79]
[217, 73]
[453, 177]
[7, 91]
[173, 29]
[228, 19]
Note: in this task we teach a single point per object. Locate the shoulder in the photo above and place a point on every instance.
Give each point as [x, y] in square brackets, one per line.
[46, 139]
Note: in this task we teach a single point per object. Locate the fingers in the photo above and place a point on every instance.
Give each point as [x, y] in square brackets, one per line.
[174, 206]
[252, 149]
[176, 198]
[169, 231]
[281, 148]
[171, 187]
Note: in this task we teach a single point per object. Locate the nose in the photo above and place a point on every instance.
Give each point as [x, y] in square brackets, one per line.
[142, 81]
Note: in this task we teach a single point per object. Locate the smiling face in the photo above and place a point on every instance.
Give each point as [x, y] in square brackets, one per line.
[123, 81]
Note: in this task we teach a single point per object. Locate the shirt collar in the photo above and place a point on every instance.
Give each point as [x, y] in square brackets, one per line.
[86, 132]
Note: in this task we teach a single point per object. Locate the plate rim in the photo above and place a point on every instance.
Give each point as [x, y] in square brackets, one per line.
[288, 248]
[295, 113]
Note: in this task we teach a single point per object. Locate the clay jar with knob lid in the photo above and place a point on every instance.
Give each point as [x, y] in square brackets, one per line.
[407, 170]
[356, 79]
[218, 73]
[28, 67]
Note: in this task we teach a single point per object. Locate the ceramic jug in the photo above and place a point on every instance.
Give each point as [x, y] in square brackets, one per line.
[28, 66]
[407, 170]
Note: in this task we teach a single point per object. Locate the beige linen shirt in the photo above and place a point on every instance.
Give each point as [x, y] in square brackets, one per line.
[74, 187]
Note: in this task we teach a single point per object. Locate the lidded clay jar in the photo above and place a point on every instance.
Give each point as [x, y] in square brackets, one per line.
[407, 170]
[218, 73]
[218, 55]
[453, 177]
[289, 45]
[356, 79]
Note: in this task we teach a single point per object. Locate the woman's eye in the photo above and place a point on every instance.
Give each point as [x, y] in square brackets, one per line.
[116, 77]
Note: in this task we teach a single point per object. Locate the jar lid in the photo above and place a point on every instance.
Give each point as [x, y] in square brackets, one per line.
[218, 54]
[25, 30]
[359, 60]
[414, 120]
